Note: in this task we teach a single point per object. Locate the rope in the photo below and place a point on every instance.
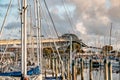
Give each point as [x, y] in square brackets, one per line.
[51, 18]
[6, 48]
[5, 18]
[4, 52]
[67, 15]
[55, 43]
[4, 26]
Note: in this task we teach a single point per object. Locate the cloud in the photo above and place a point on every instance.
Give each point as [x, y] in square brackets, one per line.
[95, 15]
[11, 31]
[0, 13]
[87, 18]
[6, 5]
[59, 14]
[60, 10]
[114, 14]
[11, 34]
[108, 4]
[80, 27]
[13, 25]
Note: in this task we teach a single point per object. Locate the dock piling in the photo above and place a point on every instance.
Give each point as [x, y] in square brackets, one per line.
[82, 69]
[106, 70]
[56, 69]
[90, 70]
[68, 70]
[74, 77]
[53, 67]
[109, 71]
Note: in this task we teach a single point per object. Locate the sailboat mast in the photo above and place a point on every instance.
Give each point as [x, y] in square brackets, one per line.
[40, 34]
[37, 28]
[24, 38]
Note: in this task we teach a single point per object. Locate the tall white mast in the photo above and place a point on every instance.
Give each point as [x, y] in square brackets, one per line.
[24, 38]
[40, 35]
[37, 23]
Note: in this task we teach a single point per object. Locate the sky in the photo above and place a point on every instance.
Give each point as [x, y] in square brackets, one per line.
[90, 20]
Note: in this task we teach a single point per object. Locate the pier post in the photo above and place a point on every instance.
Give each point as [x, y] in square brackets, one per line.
[106, 70]
[65, 63]
[119, 69]
[59, 65]
[78, 66]
[45, 66]
[49, 63]
[45, 71]
[73, 70]
[90, 70]
[82, 69]
[62, 71]
[53, 67]
[109, 71]
[56, 69]
[68, 70]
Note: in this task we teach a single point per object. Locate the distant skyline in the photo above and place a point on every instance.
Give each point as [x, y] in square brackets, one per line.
[89, 19]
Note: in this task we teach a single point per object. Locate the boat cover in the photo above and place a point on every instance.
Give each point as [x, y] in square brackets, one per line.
[32, 71]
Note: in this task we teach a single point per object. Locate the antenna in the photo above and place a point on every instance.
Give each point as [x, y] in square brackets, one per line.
[110, 34]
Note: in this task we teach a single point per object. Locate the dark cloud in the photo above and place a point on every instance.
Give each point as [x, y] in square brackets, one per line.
[13, 10]
[13, 25]
[114, 14]
[6, 5]
[0, 15]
